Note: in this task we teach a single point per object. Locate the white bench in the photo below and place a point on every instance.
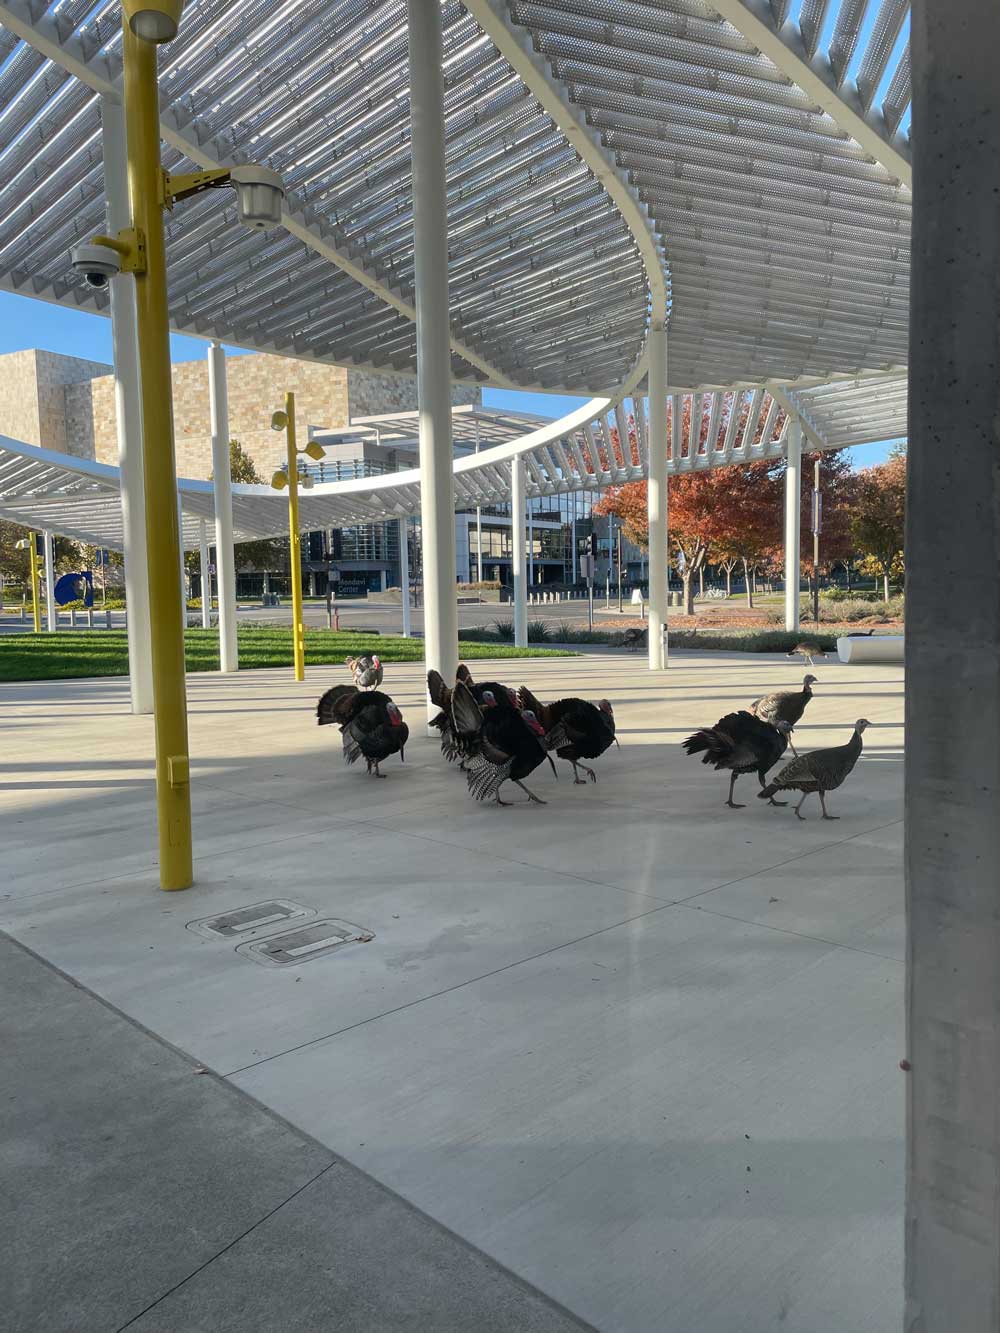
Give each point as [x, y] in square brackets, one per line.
[871, 648]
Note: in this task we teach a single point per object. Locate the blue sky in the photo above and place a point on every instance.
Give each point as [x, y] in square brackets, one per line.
[25, 322]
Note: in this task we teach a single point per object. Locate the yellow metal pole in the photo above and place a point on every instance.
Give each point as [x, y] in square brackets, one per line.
[36, 607]
[145, 185]
[295, 547]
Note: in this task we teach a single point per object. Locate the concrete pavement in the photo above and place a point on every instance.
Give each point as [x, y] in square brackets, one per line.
[639, 1049]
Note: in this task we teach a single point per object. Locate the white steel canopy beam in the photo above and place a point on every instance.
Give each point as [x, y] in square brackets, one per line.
[785, 48]
[43, 34]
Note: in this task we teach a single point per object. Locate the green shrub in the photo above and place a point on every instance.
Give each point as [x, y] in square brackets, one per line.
[112, 604]
[856, 595]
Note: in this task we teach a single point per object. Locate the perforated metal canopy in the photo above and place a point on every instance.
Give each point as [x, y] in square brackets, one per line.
[740, 164]
[603, 443]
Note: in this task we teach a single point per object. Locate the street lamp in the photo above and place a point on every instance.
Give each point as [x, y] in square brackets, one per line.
[35, 562]
[290, 476]
[140, 250]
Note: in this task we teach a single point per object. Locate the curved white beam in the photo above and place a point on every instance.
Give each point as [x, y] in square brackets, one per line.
[536, 74]
[97, 73]
[784, 48]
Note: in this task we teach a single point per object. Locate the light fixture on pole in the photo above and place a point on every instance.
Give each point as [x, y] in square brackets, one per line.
[140, 250]
[35, 561]
[290, 476]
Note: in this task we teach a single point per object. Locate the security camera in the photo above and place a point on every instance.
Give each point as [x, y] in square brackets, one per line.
[98, 264]
[259, 196]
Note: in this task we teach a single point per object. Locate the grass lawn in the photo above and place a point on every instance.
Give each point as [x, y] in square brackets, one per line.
[78, 653]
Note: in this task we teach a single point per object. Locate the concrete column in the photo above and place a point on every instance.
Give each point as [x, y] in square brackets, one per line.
[479, 519]
[793, 519]
[657, 497]
[952, 764]
[404, 572]
[128, 415]
[51, 621]
[430, 244]
[180, 543]
[225, 557]
[206, 576]
[517, 543]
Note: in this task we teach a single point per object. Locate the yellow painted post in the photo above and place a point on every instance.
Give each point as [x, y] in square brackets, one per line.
[33, 559]
[145, 182]
[295, 546]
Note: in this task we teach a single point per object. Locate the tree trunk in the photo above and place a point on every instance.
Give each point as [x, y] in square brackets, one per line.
[729, 580]
[688, 591]
[885, 585]
[701, 582]
[746, 578]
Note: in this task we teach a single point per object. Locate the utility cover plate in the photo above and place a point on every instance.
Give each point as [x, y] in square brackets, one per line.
[246, 922]
[293, 947]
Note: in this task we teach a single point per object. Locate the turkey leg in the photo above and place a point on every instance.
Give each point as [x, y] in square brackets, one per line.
[799, 807]
[580, 782]
[763, 784]
[531, 795]
[823, 804]
[730, 802]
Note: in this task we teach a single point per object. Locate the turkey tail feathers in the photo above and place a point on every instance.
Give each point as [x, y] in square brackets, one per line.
[327, 710]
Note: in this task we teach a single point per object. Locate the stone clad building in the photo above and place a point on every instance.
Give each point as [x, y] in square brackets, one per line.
[68, 404]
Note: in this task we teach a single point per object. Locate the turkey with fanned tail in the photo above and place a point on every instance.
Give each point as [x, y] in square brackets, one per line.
[370, 723]
[503, 744]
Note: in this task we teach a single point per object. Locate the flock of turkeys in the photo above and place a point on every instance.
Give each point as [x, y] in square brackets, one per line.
[496, 734]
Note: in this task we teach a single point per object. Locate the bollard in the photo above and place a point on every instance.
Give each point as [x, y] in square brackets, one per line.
[107, 619]
[72, 618]
[90, 617]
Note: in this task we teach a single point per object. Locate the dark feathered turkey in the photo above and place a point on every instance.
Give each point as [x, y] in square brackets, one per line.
[502, 744]
[370, 723]
[784, 705]
[485, 693]
[575, 728]
[741, 743]
[820, 771]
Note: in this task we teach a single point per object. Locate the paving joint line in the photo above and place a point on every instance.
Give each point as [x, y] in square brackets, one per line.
[798, 934]
[235, 1241]
[447, 990]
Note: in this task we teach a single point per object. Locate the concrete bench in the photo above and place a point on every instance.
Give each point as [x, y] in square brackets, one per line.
[871, 648]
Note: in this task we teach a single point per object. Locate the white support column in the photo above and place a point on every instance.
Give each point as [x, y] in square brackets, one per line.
[206, 576]
[657, 497]
[128, 414]
[531, 550]
[793, 520]
[430, 245]
[185, 590]
[479, 518]
[51, 621]
[225, 558]
[404, 572]
[517, 545]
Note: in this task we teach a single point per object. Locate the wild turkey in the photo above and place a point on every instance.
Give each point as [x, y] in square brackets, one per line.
[806, 650]
[502, 744]
[743, 744]
[784, 706]
[574, 728]
[370, 723]
[366, 670]
[634, 638]
[820, 771]
[440, 696]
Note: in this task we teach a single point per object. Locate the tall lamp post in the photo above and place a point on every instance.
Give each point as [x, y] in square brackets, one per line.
[140, 250]
[289, 476]
[35, 561]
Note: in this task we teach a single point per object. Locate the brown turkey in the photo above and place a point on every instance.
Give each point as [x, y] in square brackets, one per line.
[819, 771]
[366, 670]
[370, 723]
[784, 706]
[575, 728]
